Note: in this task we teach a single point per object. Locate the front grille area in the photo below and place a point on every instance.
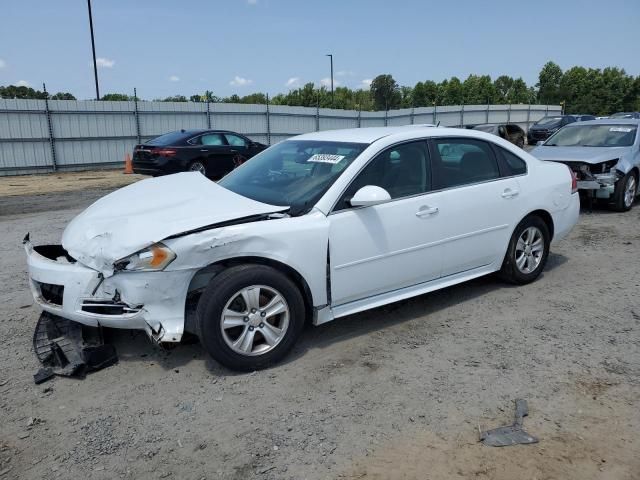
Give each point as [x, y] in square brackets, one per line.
[51, 293]
[108, 307]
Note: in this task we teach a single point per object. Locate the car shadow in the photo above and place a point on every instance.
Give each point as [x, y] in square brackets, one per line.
[134, 346]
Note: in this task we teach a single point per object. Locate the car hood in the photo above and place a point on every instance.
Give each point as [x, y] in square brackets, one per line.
[134, 217]
[546, 126]
[579, 154]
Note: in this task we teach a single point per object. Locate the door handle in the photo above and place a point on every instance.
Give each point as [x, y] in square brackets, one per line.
[204, 150]
[426, 211]
[508, 193]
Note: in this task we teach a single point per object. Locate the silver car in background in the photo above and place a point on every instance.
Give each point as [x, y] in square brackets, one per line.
[604, 154]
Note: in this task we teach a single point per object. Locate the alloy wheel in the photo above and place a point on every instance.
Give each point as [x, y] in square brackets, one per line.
[630, 191]
[529, 250]
[255, 320]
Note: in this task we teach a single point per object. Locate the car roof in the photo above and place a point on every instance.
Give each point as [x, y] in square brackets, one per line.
[370, 135]
[362, 135]
[608, 121]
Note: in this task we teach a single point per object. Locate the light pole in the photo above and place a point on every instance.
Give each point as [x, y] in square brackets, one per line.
[93, 48]
[331, 59]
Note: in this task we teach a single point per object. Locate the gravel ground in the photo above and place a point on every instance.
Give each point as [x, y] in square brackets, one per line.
[396, 392]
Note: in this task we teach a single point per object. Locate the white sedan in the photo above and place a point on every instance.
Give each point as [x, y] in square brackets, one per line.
[314, 228]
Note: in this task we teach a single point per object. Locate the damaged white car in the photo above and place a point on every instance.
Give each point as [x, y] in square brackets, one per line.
[312, 229]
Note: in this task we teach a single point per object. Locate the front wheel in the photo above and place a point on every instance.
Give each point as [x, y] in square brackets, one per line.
[528, 251]
[625, 192]
[250, 316]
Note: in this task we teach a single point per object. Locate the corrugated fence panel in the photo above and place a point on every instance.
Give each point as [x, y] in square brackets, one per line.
[100, 133]
[248, 119]
[286, 121]
[157, 118]
[333, 119]
[372, 119]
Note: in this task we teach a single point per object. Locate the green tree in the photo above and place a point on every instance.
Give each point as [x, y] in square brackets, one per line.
[116, 97]
[385, 92]
[478, 90]
[63, 96]
[452, 92]
[503, 86]
[549, 84]
[12, 91]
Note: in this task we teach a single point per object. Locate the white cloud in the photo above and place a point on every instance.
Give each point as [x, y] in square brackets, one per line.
[174, 78]
[252, 2]
[345, 73]
[240, 81]
[326, 82]
[103, 62]
[2, 63]
[366, 83]
[293, 82]
[22, 83]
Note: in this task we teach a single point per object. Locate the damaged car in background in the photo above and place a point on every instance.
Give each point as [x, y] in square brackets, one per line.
[312, 229]
[605, 156]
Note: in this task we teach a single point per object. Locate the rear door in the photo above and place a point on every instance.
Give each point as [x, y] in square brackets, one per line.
[219, 154]
[481, 205]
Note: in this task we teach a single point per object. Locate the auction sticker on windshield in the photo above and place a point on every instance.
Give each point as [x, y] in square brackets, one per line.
[621, 129]
[325, 158]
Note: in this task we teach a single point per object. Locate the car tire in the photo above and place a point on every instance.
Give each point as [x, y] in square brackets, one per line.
[625, 192]
[527, 252]
[233, 320]
[198, 166]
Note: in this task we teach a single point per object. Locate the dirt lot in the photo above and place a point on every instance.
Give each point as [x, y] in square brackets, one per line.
[397, 392]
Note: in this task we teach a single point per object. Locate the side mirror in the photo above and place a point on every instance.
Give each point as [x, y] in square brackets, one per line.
[369, 195]
[540, 142]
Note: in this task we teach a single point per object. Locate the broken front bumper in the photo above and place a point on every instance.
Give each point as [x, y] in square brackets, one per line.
[149, 301]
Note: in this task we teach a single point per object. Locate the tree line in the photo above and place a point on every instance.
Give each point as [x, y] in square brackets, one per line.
[579, 89]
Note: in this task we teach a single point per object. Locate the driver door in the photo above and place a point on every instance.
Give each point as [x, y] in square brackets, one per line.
[392, 245]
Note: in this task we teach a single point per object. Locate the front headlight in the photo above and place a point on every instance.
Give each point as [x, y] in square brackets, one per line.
[156, 257]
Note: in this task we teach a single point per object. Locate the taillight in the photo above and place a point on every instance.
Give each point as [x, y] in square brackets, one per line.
[166, 152]
[574, 181]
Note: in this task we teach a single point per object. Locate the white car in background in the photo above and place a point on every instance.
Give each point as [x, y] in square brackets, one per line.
[314, 228]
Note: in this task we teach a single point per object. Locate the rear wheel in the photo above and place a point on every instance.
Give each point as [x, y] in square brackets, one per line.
[625, 192]
[528, 251]
[198, 166]
[250, 316]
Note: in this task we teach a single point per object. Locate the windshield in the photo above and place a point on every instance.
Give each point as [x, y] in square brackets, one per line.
[168, 139]
[607, 135]
[622, 115]
[485, 128]
[548, 120]
[293, 173]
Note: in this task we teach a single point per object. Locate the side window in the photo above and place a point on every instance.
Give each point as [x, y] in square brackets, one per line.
[212, 139]
[462, 161]
[235, 140]
[511, 164]
[402, 171]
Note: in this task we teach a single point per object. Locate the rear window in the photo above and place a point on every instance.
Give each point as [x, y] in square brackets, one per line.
[171, 138]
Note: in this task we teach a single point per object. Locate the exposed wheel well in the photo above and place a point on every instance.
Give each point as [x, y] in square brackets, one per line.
[546, 218]
[208, 272]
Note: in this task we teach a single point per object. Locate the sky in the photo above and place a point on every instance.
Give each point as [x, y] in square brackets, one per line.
[165, 47]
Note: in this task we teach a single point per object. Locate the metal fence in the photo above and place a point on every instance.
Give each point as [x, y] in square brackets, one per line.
[49, 135]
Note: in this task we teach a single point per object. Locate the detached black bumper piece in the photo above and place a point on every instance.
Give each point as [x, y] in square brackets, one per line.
[69, 349]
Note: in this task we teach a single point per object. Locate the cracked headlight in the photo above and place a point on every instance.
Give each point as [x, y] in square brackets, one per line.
[156, 257]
